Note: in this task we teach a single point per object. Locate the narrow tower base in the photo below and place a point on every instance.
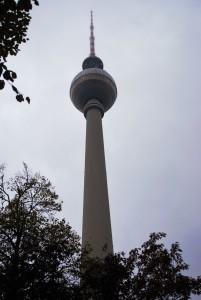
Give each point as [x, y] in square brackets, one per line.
[97, 233]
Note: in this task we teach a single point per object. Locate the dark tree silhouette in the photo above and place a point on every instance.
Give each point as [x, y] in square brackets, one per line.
[148, 273]
[14, 22]
[40, 255]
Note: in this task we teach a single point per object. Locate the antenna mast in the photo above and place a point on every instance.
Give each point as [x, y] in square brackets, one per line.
[92, 38]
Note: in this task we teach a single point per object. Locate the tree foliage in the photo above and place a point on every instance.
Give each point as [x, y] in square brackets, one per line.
[41, 259]
[39, 254]
[14, 22]
[148, 273]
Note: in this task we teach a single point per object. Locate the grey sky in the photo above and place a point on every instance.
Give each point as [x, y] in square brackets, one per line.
[152, 133]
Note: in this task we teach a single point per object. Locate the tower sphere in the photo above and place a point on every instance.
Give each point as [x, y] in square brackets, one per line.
[93, 83]
[93, 86]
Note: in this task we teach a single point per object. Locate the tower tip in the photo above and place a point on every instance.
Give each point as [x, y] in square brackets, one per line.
[92, 38]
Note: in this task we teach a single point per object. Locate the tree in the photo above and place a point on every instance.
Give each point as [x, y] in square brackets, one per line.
[14, 22]
[148, 273]
[39, 254]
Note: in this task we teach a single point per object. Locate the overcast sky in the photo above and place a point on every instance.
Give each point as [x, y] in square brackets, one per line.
[152, 133]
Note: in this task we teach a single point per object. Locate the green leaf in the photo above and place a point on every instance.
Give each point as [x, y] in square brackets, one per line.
[28, 99]
[7, 75]
[19, 98]
[14, 75]
[2, 84]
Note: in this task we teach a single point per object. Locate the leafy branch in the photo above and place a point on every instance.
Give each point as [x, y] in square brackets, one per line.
[14, 22]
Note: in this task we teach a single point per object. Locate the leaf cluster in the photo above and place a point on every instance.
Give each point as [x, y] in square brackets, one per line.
[14, 22]
[151, 272]
[39, 254]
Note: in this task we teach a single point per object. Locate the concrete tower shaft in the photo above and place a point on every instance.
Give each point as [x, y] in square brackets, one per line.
[93, 92]
[96, 230]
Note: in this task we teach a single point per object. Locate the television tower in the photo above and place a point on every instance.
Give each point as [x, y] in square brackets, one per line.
[93, 92]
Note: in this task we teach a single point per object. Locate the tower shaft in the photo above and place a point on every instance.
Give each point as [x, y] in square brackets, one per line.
[96, 230]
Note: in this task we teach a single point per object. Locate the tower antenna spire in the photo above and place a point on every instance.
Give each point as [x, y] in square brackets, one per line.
[92, 38]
